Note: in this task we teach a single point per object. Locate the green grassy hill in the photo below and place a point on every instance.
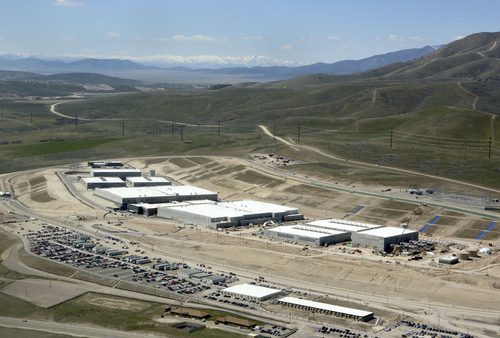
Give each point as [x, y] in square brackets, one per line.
[440, 110]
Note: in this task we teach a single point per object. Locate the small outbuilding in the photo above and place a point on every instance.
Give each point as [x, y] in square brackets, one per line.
[247, 324]
[185, 312]
[449, 260]
[215, 280]
[188, 273]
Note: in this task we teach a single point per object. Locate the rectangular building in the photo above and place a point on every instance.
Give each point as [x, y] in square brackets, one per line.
[226, 214]
[380, 238]
[188, 273]
[160, 194]
[326, 309]
[102, 182]
[147, 181]
[252, 292]
[342, 225]
[121, 173]
[307, 235]
[215, 280]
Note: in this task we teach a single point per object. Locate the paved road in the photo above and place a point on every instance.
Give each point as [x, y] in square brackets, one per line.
[71, 329]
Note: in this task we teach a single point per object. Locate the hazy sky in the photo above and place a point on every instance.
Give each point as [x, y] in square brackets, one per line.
[305, 31]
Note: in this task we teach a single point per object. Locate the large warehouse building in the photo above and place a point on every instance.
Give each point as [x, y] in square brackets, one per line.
[227, 214]
[147, 181]
[326, 309]
[121, 173]
[342, 225]
[307, 235]
[252, 292]
[102, 182]
[381, 238]
[162, 194]
[331, 231]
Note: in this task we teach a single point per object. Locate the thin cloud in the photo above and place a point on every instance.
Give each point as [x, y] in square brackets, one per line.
[286, 47]
[395, 38]
[189, 38]
[250, 38]
[138, 39]
[115, 35]
[417, 38]
[457, 37]
[335, 38]
[193, 38]
[305, 38]
[67, 3]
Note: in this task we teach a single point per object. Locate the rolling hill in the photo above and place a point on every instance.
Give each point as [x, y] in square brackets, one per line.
[438, 112]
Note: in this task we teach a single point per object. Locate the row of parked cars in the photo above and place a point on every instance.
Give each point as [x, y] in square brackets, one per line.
[342, 332]
[214, 296]
[431, 331]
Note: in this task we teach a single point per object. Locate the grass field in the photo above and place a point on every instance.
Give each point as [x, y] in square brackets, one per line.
[106, 311]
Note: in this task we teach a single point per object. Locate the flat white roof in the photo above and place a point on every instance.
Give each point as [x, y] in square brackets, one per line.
[99, 179]
[301, 230]
[115, 170]
[157, 191]
[342, 225]
[388, 232]
[256, 206]
[148, 179]
[252, 290]
[210, 210]
[327, 307]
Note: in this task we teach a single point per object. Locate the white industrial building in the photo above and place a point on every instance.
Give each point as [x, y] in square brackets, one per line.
[307, 235]
[226, 214]
[330, 231]
[121, 173]
[102, 182]
[380, 238]
[326, 309]
[342, 225]
[251, 292]
[161, 194]
[147, 181]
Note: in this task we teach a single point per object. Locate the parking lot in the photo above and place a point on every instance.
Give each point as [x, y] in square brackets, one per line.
[68, 247]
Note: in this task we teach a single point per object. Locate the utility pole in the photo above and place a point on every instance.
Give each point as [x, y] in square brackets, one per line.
[392, 130]
[298, 133]
[218, 130]
[123, 127]
[465, 148]
[489, 151]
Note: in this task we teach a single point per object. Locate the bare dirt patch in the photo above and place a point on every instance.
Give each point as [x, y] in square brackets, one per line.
[111, 302]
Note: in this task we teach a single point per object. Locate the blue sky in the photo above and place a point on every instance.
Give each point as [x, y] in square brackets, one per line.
[305, 31]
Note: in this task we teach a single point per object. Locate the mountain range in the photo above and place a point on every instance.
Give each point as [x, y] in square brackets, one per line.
[230, 66]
